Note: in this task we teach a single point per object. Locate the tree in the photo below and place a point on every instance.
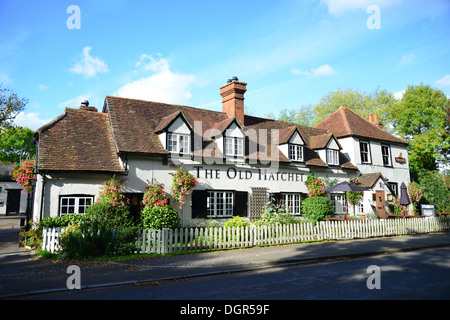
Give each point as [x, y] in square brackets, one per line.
[10, 106]
[363, 103]
[420, 118]
[15, 144]
[435, 191]
[302, 116]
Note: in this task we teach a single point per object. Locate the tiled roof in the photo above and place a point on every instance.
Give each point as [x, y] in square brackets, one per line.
[134, 122]
[91, 141]
[78, 140]
[369, 179]
[345, 122]
[310, 156]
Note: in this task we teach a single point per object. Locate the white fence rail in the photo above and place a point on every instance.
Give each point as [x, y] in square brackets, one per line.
[188, 239]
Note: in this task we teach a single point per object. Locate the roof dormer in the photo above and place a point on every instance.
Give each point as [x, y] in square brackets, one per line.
[291, 144]
[328, 147]
[175, 133]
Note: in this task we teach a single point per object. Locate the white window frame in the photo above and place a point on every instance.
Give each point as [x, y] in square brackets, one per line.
[385, 147]
[365, 152]
[79, 204]
[339, 203]
[333, 157]
[360, 206]
[177, 142]
[219, 204]
[234, 146]
[295, 152]
[293, 203]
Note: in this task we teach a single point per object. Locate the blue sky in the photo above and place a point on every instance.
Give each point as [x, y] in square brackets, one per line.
[290, 53]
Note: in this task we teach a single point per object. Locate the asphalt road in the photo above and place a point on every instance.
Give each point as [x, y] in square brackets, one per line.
[417, 275]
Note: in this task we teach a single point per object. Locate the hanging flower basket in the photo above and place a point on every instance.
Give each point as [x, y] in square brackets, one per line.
[23, 174]
[182, 184]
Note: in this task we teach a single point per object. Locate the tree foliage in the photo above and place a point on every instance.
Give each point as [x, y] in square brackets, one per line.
[362, 103]
[10, 106]
[421, 119]
[15, 144]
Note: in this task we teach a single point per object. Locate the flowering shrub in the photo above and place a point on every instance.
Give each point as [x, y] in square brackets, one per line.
[354, 196]
[314, 185]
[111, 193]
[23, 173]
[155, 196]
[182, 184]
[415, 192]
[398, 208]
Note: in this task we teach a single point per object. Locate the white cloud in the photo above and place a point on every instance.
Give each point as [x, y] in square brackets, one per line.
[399, 94]
[323, 70]
[89, 66]
[30, 120]
[162, 86]
[444, 81]
[42, 87]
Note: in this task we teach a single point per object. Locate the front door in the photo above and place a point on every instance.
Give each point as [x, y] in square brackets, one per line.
[380, 202]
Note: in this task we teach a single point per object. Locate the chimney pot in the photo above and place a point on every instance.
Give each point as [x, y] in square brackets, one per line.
[85, 106]
[370, 118]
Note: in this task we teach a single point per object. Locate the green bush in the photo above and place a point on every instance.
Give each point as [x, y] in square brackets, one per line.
[92, 239]
[237, 221]
[317, 208]
[82, 240]
[434, 191]
[62, 221]
[159, 217]
[109, 215]
[273, 214]
[32, 237]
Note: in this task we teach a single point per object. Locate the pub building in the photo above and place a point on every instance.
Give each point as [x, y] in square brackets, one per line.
[241, 161]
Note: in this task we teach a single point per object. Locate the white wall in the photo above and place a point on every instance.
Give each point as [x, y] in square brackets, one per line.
[398, 172]
[144, 169]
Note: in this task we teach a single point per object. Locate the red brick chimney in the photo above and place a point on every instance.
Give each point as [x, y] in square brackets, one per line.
[233, 98]
[376, 122]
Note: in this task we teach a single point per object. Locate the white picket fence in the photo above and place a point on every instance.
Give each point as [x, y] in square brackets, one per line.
[187, 239]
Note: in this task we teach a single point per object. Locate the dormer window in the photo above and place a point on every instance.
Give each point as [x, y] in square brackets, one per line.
[175, 132]
[332, 157]
[295, 152]
[234, 146]
[178, 143]
[233, 139]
